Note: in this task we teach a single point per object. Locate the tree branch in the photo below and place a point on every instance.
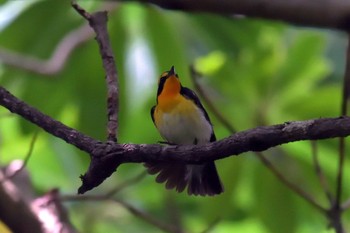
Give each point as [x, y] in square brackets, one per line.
[126, 184]
[106, 157]
[279, 175]
[62, 51]
[98, 22]
[58, 59]
[195, 79]
[52, 214]
[344, 107]
[21, 212]
[323, 13]
[319, 172]
[133, 210]
[15, 211]
[309, 198]
[45, 122]
[335, 212]
[10, 173]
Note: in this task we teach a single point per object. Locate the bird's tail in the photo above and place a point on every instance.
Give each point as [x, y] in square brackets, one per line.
[199, 179]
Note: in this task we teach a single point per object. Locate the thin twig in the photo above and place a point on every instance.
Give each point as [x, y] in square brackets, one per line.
[148, 218]
[289, 184]
[336, 223]
[81, 10]
[98, 22]
[136, 212]
[58, 59]
[260, 155]
[344, 104]
[126, 184]
[25, 161]
[211, 106]
[211, 226]
[174, 213]
[320, 174]
[346, 205]
[108, 197]
[47, 123]
[339, 181]
[336, 209]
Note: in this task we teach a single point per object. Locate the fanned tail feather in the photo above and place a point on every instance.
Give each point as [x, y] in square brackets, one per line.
[172, 174]
[201, 179]
[204, 180]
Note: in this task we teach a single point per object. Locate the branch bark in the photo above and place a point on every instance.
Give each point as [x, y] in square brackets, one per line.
[52, 214]
[106, 157]
[45, 122]
[98, 22]
[15, 211]
[21, 212]
[279, 175]
[323, 13]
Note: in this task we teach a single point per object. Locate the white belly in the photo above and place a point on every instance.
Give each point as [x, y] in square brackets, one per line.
[184, 128]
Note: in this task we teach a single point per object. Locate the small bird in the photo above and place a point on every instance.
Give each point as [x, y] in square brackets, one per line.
[181, 119]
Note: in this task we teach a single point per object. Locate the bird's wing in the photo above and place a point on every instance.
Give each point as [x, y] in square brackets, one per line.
[189, 94]
[152, 113]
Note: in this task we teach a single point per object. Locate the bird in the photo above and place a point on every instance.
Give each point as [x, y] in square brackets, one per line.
[181, 119]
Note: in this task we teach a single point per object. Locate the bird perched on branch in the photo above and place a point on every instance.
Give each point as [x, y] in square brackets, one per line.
[181, 119]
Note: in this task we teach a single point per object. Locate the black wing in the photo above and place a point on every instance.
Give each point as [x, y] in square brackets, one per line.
[152, 113]
[189, 94]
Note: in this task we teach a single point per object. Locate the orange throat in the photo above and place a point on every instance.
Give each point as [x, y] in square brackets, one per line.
[170, 94]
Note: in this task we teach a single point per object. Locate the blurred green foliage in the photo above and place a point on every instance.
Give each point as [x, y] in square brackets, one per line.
[256, 73]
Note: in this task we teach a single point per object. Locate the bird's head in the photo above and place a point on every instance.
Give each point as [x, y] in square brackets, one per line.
[169, 83]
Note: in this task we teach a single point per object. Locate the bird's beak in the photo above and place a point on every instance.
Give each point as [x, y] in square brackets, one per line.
[172, 71]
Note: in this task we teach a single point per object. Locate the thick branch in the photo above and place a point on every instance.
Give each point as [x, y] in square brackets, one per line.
[45, 122]
[323, 13]
[15, 212]
[52, 214]
[106, 157]
[21, 212]
[257, 139]
[278, 174]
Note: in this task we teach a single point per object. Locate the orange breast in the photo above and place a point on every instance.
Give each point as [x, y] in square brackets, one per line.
[180, 121]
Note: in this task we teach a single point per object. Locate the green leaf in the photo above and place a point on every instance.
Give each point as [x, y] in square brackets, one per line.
[274, 204]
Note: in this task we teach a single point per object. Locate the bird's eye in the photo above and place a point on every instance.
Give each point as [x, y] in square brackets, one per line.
[163, 77]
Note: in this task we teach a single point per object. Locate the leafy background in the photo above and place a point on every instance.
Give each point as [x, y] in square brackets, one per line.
[256, 72]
